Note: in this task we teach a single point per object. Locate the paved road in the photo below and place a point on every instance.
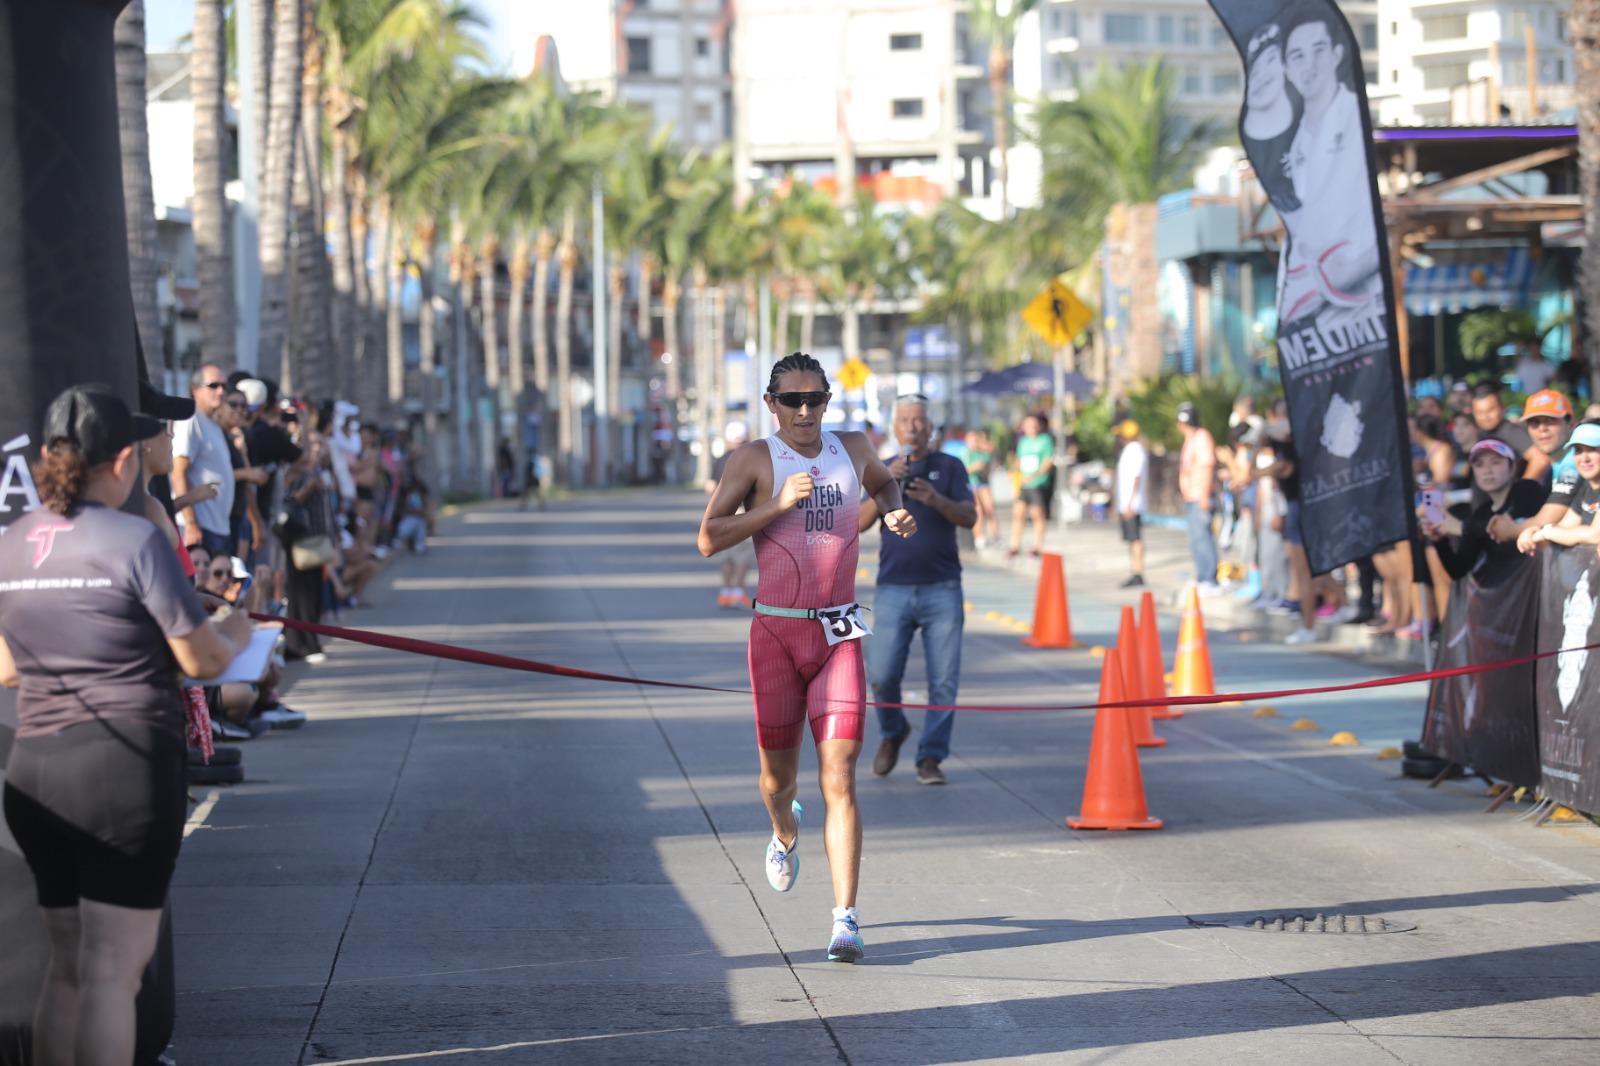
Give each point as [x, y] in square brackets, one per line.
[456, 864]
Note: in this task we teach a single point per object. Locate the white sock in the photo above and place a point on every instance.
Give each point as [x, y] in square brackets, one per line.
[844, 912]
[727, 591]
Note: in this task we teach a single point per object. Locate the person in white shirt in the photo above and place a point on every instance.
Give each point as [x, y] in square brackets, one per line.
[202, 471]
[1133, 475]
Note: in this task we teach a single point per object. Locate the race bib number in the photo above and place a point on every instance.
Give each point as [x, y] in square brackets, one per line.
[1028, 463]
[840, 624]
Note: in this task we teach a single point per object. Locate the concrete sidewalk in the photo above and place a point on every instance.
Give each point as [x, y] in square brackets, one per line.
[457, 864]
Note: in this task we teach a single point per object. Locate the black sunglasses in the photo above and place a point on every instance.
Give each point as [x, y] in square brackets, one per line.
[237, 405]
[802, 399]
[215, 385]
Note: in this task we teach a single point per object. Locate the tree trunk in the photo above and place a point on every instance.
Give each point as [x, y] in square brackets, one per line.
[261, 36]
[313, 312]
[395, 333]
[780, 327]
[144, 264]
[543, 249]
[1585, 32]
[427, 343]
[647, 266]
[808, 319]
[213, 260]
[344, 296]
[567, 258]
[491, 313]
[617, 289]
[716, 357]
[704, 374]
[277, 188]
[670, 296]
[369, 392]
[516, 341]
[999, 74]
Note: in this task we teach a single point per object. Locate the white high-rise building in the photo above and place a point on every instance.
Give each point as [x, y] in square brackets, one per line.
[1079, 38]
[1468, 61]
[667, 57]
[886, 92]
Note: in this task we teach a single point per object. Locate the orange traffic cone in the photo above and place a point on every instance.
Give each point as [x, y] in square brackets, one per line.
[1052, 625]
[1133, 683]
[1150, 659]
[1191, 671]
[1113, 789]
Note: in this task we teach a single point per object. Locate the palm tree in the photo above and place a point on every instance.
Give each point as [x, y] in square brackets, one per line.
[1585, 27]
[137, 198]
[213, 263]
[995, 21]
[277, 189]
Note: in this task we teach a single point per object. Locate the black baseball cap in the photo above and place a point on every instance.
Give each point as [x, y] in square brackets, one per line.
[97, 421]
[1186, 414]
[158, 404]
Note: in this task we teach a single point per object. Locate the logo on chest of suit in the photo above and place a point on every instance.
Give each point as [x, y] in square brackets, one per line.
[816, 472]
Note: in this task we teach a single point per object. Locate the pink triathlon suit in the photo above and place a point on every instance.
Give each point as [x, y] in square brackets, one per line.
[807, 559]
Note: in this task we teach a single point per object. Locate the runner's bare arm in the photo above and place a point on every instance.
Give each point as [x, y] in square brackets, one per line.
[880, 484]
[723, 525]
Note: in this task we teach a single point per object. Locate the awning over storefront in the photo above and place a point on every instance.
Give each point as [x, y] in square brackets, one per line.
[1465, 279]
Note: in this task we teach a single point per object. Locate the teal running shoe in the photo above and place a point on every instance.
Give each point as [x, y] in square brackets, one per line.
[845, 945]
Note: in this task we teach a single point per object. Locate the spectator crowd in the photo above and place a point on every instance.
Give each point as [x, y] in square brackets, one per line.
[281, 506]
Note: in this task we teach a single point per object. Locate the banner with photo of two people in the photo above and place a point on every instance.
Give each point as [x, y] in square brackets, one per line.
[1305, 127]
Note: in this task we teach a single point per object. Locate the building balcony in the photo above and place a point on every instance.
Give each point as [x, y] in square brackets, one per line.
[1451, 46]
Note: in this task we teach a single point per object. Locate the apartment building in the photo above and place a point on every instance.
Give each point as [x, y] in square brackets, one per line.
[667, 57]
[1473, 61]
[890, 92]
[1079, 38]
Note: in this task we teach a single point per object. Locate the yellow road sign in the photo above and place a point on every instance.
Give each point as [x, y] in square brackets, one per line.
[853, 374]
[1056, 314]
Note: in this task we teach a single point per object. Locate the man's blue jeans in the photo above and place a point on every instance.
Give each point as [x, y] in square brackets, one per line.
[898, 611]
[1202, 547]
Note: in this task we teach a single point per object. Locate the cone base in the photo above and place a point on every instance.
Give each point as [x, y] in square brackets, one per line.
[1113, 823]
[1161, 714]
[1153, 742]
[1035, 642]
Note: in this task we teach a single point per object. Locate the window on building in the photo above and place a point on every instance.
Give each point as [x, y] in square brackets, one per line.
[1394, 29]
[1191, 29]
[1124, 29]
[908, 107]
[1443, 27]
[1224, 82]
[1072, 24]
[1446, 75]
[1394, 76]
[1057, 24]
[702, 46]
[638, 55]
[905, 42]
[1371, 74]
[1219, 37]
[1192, 85]
[703, 113]
[1166, 29]
[1369, 35]
[1058, 70]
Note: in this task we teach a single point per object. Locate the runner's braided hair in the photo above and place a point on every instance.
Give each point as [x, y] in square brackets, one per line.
[797, 362]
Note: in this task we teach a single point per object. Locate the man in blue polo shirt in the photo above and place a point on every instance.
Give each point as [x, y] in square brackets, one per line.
[919, 586]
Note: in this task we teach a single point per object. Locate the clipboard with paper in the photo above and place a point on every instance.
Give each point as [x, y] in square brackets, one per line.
[249, 664]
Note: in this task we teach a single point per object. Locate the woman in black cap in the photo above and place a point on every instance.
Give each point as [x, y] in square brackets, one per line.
[96, 621]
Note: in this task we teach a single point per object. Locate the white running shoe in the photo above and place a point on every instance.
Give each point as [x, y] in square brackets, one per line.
[845, 944]
[1301, 636]
[783, 865]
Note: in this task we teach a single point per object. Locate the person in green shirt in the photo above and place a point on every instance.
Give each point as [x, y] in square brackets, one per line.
[1035, 463]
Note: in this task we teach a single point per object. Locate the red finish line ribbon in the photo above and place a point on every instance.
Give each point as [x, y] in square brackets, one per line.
[457, 653]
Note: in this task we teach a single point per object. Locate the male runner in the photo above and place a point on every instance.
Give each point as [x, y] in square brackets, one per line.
[800, 490]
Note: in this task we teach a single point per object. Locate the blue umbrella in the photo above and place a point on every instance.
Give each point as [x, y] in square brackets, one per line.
[1030, 379]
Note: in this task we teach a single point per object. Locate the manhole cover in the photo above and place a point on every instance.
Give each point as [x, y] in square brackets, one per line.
[1327, 923]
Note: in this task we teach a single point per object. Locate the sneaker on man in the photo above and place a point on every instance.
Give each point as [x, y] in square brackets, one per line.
[1134, 582]
[888, 754]
[845, 944]
[222, 729]
[724, 600]
[928, 772]
[744, 601]
[1303, 635]
[783, 865]
[280, 717]
[1209, 588]
[316, 658]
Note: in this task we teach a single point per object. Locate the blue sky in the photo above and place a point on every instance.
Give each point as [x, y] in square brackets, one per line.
[167, 20]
